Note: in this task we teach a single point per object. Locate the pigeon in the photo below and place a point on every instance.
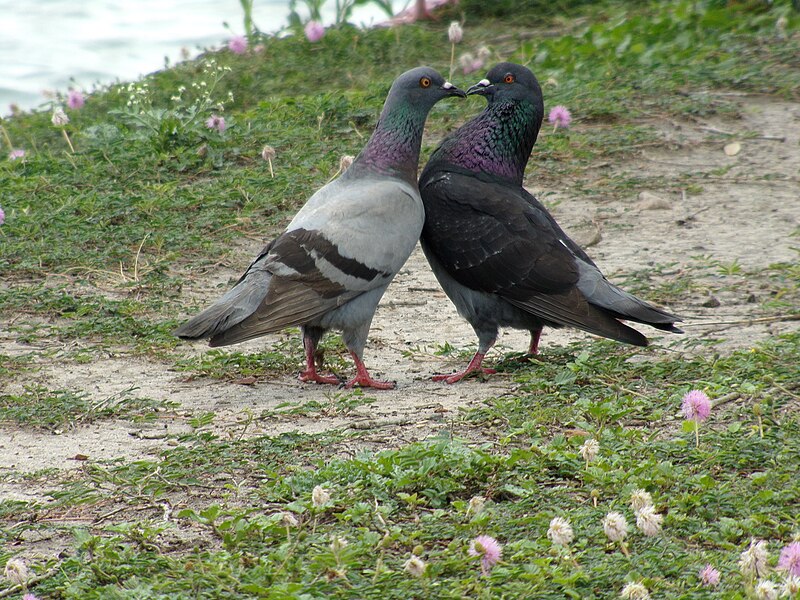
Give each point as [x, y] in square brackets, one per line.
[497, 252]
[334, 261]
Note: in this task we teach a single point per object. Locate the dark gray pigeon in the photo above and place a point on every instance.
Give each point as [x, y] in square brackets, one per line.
[496, 251]
[334, 261]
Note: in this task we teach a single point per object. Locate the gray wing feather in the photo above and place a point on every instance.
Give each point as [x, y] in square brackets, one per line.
[600, 292]
[350, 238]
[287, 304]
[235, 306]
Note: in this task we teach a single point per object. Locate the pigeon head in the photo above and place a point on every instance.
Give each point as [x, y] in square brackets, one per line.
[498, 142]
[422, 88]
[394, 146]
[508, 82]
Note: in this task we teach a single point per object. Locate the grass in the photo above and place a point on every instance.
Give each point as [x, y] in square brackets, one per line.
[38, 406]
[100, 248]
[226, 534]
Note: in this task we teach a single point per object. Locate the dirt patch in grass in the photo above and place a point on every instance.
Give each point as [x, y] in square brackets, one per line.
[706, 236]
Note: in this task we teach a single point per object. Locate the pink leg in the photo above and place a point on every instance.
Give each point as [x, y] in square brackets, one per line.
[310, 374]
[474, 366]
[362, 378]
[535, 335]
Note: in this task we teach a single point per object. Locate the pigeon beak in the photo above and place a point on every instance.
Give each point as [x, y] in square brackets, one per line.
[452, 90]
[482, 88]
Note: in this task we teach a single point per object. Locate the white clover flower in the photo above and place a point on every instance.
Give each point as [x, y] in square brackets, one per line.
[466, 60]
[766, 590]
[649, 521]
[560, 532]
[589, 450]
[415, 566]
[615, 526]
[476, 505]
[338, 544]
[791, 587]
[268, 153]
[455, 33]
[289, 520]
[639, 499]
[59, 117]
[320, 496]
[16, 571]
[635, 591]
[345, 161]
[753, 561]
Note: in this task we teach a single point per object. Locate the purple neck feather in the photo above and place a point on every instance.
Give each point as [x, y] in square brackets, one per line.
[393, 148]
[497, 142]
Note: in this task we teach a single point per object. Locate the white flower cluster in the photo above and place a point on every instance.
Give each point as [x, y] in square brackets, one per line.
[647, 519]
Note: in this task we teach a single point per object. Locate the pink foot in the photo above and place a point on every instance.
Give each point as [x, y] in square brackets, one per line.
[314, 358]
[455, 377]
[369, 382]
[474, 366]
[362, 378]
[311, 376]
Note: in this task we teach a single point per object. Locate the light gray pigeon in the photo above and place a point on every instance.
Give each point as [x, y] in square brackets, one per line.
[334, 261]
[498, 254]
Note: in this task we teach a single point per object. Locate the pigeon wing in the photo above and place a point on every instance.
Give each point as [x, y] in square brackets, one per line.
[350, 238]
[490, 238]
[499, 239]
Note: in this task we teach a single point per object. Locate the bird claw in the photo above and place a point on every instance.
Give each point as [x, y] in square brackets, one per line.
[369, 382]
[458, 376]
[311, 376]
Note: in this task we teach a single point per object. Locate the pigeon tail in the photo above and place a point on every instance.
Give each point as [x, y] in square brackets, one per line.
[620, 304]
[234, 307]
[572, 310]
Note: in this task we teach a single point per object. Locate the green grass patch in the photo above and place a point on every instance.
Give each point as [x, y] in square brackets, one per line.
[335, 404]
[69, 313]
[258, 532]
[41, 407]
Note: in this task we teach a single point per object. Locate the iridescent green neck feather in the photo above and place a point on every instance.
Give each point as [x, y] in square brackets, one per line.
[498, 142]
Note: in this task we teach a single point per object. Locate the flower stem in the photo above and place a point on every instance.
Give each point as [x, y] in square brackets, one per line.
[452, 58]
[7, 139]
[696, 434]
[66, 137]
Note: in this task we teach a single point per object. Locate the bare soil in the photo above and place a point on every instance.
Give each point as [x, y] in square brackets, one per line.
[739, 216]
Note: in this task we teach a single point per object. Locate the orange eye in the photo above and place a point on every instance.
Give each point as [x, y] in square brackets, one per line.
[509, 78]
[425, 82]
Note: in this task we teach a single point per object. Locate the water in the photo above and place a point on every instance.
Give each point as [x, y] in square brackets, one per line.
[49, 45]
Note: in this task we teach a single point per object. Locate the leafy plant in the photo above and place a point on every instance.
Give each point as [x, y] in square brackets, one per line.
[183, 122]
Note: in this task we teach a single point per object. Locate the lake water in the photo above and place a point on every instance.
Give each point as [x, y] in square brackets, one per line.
[56, 44]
